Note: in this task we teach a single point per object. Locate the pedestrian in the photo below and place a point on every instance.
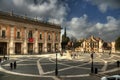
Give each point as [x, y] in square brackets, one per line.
[110, 53]
[15, 65]
[11, 66]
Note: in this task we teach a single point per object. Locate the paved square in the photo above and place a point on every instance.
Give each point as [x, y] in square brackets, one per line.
[43, 67]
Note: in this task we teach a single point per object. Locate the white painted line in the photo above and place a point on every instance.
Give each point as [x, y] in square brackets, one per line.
[39, 67]
[20, 64]
[55, 78]
[105, 65]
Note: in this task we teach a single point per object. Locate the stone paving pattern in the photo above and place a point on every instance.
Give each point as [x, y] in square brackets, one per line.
[75, 69]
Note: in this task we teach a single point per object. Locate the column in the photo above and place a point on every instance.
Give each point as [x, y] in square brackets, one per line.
[100, 46]
[45, 43]
[36, 41]
[11, 43]
[60, 40]
[83, 46]
[53, 42]
[25, 42]
[113, 47]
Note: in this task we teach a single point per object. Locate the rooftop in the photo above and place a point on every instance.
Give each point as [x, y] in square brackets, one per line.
[25, 19]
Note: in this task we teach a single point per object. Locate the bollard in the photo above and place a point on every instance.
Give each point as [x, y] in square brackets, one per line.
[96, 70]
[118, 63]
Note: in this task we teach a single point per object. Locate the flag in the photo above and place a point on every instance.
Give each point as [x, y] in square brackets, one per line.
[30, 39]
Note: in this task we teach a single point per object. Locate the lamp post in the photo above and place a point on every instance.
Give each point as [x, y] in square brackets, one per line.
[56, 67]
[92, 67]
[3, 53]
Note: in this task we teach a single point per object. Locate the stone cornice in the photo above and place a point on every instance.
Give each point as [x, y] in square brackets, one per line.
[16, 18]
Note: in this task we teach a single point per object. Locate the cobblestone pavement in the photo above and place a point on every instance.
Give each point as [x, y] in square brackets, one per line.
[43, 67]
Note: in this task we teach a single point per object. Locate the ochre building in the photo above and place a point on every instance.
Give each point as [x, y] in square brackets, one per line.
[95, 44]
[22, 35]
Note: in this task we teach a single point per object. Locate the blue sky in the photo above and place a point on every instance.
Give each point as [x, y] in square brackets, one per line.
[80, 7]
[82, 18]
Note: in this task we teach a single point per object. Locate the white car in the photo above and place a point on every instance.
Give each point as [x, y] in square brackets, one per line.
[114, 77]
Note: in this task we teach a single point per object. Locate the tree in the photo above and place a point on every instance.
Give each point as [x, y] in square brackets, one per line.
[77, 44]
[117, 41]
[65, 40]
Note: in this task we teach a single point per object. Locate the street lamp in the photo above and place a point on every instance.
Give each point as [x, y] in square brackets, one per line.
[3, 53]
[92, 68]
[56, 67]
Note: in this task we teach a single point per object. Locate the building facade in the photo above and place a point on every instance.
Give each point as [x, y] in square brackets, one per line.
[22, 35]
[95, 44]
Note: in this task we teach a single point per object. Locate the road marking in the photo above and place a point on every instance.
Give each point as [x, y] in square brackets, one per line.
[20, 64]
[39, 67]
[55, 78]
[105, 65]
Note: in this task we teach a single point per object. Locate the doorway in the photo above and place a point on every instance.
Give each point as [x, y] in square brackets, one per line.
[18, 48]
[40, 47]
[3, 48]
[49, 47]
[30, 48]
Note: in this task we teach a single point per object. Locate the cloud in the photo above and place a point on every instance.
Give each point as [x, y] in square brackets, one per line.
[104, 5]
[78, 27]
[81, 28]
[49, 10]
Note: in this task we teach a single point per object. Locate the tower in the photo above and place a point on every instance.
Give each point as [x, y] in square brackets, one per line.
[65, 32]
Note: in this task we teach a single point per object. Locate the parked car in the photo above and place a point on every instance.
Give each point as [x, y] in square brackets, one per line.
[114, 77]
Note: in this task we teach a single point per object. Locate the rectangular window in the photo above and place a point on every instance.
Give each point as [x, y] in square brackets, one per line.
[48, 37]
[40, 36]
[3, 34]
[18, 34]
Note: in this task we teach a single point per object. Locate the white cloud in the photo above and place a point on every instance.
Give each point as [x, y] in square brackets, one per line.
[104, 5]
[78, 26]
[46, 9]
[81, 28]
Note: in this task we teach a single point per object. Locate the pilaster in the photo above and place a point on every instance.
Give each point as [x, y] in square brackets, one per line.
[100, 46]
[25, 42]
[53, 42]
[11, 43]
[45, 44]
[60, 40]
[113, 47]
[36, 41]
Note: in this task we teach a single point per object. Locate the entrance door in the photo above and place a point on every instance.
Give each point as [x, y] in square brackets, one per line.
[3, 48]
[49, 47]
[56, 46]
[40, 46]
[18, 48]
[30, 48]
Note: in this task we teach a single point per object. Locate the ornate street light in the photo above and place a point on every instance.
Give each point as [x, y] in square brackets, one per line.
[56, 67]
[92, 67]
